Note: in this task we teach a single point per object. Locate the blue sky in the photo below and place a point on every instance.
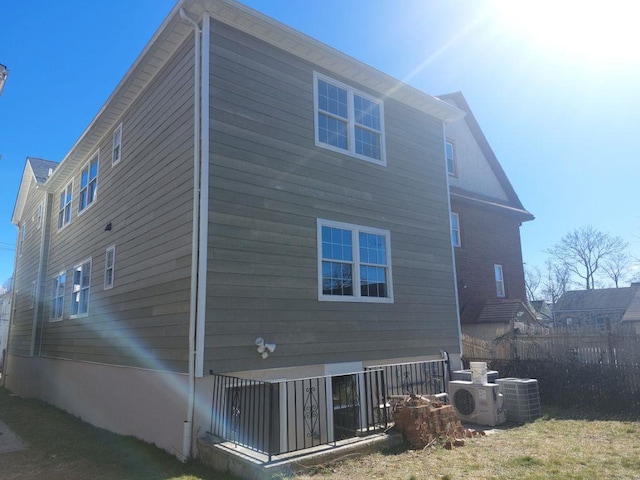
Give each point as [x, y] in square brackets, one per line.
[555, 91]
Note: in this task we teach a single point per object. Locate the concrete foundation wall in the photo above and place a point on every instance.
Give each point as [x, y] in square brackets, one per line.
[147, 404]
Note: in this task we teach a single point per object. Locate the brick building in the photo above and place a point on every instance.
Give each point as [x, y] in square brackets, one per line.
[486, 215]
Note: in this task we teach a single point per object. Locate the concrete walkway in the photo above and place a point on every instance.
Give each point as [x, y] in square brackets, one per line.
[9, 441]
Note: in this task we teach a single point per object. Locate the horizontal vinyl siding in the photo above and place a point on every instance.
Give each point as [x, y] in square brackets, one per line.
[27, 266]
[269, 184]
[147, 198]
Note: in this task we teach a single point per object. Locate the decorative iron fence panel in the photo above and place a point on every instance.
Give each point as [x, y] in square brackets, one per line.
[419, 378]
[287, 416]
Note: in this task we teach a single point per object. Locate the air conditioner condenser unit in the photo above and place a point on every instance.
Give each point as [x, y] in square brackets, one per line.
[482, 404]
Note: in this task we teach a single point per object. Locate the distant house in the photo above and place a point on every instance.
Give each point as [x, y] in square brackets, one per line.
[486, 215]
[179, 273]
[543, 312]
[599, 309]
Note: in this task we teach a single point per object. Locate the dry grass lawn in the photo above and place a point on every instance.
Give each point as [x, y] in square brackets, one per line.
[555, 447]
[549, 448]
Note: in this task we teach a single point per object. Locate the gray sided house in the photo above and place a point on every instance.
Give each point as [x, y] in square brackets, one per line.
[276, 190]
[601, 309]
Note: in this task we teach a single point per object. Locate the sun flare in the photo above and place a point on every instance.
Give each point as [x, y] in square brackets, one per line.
[598, 32]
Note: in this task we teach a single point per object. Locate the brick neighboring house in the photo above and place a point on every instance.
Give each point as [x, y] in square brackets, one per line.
[486, 218]
[600, 309]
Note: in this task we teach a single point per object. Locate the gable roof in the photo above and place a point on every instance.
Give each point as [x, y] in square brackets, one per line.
[599, 299]
[513, 204]
[37, 170]
[41, 168]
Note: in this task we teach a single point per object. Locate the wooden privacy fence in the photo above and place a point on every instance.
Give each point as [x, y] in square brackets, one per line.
[563, 346]
[601, 387]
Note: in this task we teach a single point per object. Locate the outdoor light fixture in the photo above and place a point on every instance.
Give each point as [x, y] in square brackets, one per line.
[264, 349]
[4, 73]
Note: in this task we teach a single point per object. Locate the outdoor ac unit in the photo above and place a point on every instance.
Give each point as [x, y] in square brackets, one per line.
[477, 403]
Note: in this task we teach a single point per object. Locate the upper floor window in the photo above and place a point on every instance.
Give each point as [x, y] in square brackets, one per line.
[22, 233]
[450, 154]
[39, 214]
[32, 299]
[81, 288]
[354, 263]
[89, 183]
[455, 230]
[57, 295]
[499, 280]
[64, 206]
[348, 121]
[117, 145]
[109, 266]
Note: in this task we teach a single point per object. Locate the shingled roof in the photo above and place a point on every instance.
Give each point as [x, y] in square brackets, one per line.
[633, 312]
[42, 168]
[598, 299]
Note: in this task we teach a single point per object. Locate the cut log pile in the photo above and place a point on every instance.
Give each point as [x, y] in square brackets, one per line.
[424, 421]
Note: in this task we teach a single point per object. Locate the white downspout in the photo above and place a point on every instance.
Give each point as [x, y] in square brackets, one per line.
[204, 197]
[453, 250]
[188, 423]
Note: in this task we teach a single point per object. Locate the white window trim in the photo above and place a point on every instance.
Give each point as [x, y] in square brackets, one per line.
[455, 159]
[117, 131]
[111, 248]
[351, 150]
[95, 156]
[39, 215]
[458, 241]
[55, 297]
[355, 229]
[83, 314]
[500, 292]
[69, 185]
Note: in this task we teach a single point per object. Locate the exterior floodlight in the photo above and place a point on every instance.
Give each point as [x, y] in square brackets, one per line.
[4, 73]
[264, 349]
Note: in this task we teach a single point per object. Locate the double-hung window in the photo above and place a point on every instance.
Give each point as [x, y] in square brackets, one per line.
[64, 205]
[57, 295]
[499, 280]
[450, 154]
[109, 266]
[116, 152]
[455, 230]
[22, 233]
[81, 288]
[354, 263]
[89, 183]
[348, 121]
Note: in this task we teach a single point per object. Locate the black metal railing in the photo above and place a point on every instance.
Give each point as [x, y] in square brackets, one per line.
[291, 415]
[420, 378]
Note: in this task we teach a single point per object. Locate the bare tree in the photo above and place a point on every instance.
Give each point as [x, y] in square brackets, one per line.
[556, 280]
[584, 251]
[618, 267]
[531, 281]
